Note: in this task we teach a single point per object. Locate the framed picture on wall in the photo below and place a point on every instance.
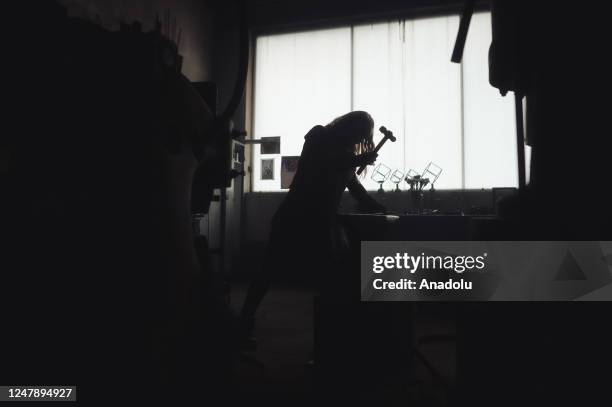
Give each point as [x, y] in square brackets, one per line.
[289, 166]
[270, 145]
[267, 169]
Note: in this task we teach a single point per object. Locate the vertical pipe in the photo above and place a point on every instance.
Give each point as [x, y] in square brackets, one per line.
[520, 140]
[462, 103]
[352, 69]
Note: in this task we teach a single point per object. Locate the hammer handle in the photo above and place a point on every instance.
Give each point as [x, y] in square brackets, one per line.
[378, 146]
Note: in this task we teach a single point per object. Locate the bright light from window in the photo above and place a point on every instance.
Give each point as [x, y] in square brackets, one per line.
[400, 72]
[301, 80]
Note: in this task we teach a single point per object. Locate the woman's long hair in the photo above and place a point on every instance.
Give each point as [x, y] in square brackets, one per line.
[355, 122]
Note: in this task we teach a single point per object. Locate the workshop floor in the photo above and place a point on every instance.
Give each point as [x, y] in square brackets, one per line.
[278, 372]
[285, 346]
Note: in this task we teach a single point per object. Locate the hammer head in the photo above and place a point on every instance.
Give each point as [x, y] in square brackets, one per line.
[387, 133]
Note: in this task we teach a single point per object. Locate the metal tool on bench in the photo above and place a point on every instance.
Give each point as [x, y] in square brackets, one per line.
[387, 135]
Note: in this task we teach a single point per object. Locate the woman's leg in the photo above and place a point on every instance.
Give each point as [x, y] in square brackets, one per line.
[255, 294]
[260, 285]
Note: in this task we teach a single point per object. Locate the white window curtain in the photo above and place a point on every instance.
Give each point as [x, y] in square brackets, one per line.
[301, 80]
[400, 72]
[404, 78]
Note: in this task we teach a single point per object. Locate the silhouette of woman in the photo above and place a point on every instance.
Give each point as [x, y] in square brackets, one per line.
[301, 237]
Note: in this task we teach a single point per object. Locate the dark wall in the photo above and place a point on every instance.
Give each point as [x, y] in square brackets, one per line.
[194, 17]
[209, 46]
[102, 162]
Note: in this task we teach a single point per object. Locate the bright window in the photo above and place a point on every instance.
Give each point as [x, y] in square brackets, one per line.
[399, 72]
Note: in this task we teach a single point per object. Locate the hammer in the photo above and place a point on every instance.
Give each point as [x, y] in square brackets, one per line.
[387, 136]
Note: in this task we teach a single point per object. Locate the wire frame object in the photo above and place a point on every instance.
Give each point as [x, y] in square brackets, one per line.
[432, 172]
[396, 177]
[380, 175]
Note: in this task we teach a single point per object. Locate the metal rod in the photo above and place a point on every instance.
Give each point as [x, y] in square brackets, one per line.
[464, 26]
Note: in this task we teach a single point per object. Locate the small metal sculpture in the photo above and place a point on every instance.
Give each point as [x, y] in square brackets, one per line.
[432, 171]
[396, 177]
[380, 175]
[417, 183]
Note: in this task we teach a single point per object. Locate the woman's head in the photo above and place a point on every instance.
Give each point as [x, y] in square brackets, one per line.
[354, 130]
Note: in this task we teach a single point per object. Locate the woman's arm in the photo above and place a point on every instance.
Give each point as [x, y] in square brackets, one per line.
[329, 153]
[366, 202]
[350, 160]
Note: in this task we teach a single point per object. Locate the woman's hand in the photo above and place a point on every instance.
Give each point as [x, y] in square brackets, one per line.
[366, 158]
